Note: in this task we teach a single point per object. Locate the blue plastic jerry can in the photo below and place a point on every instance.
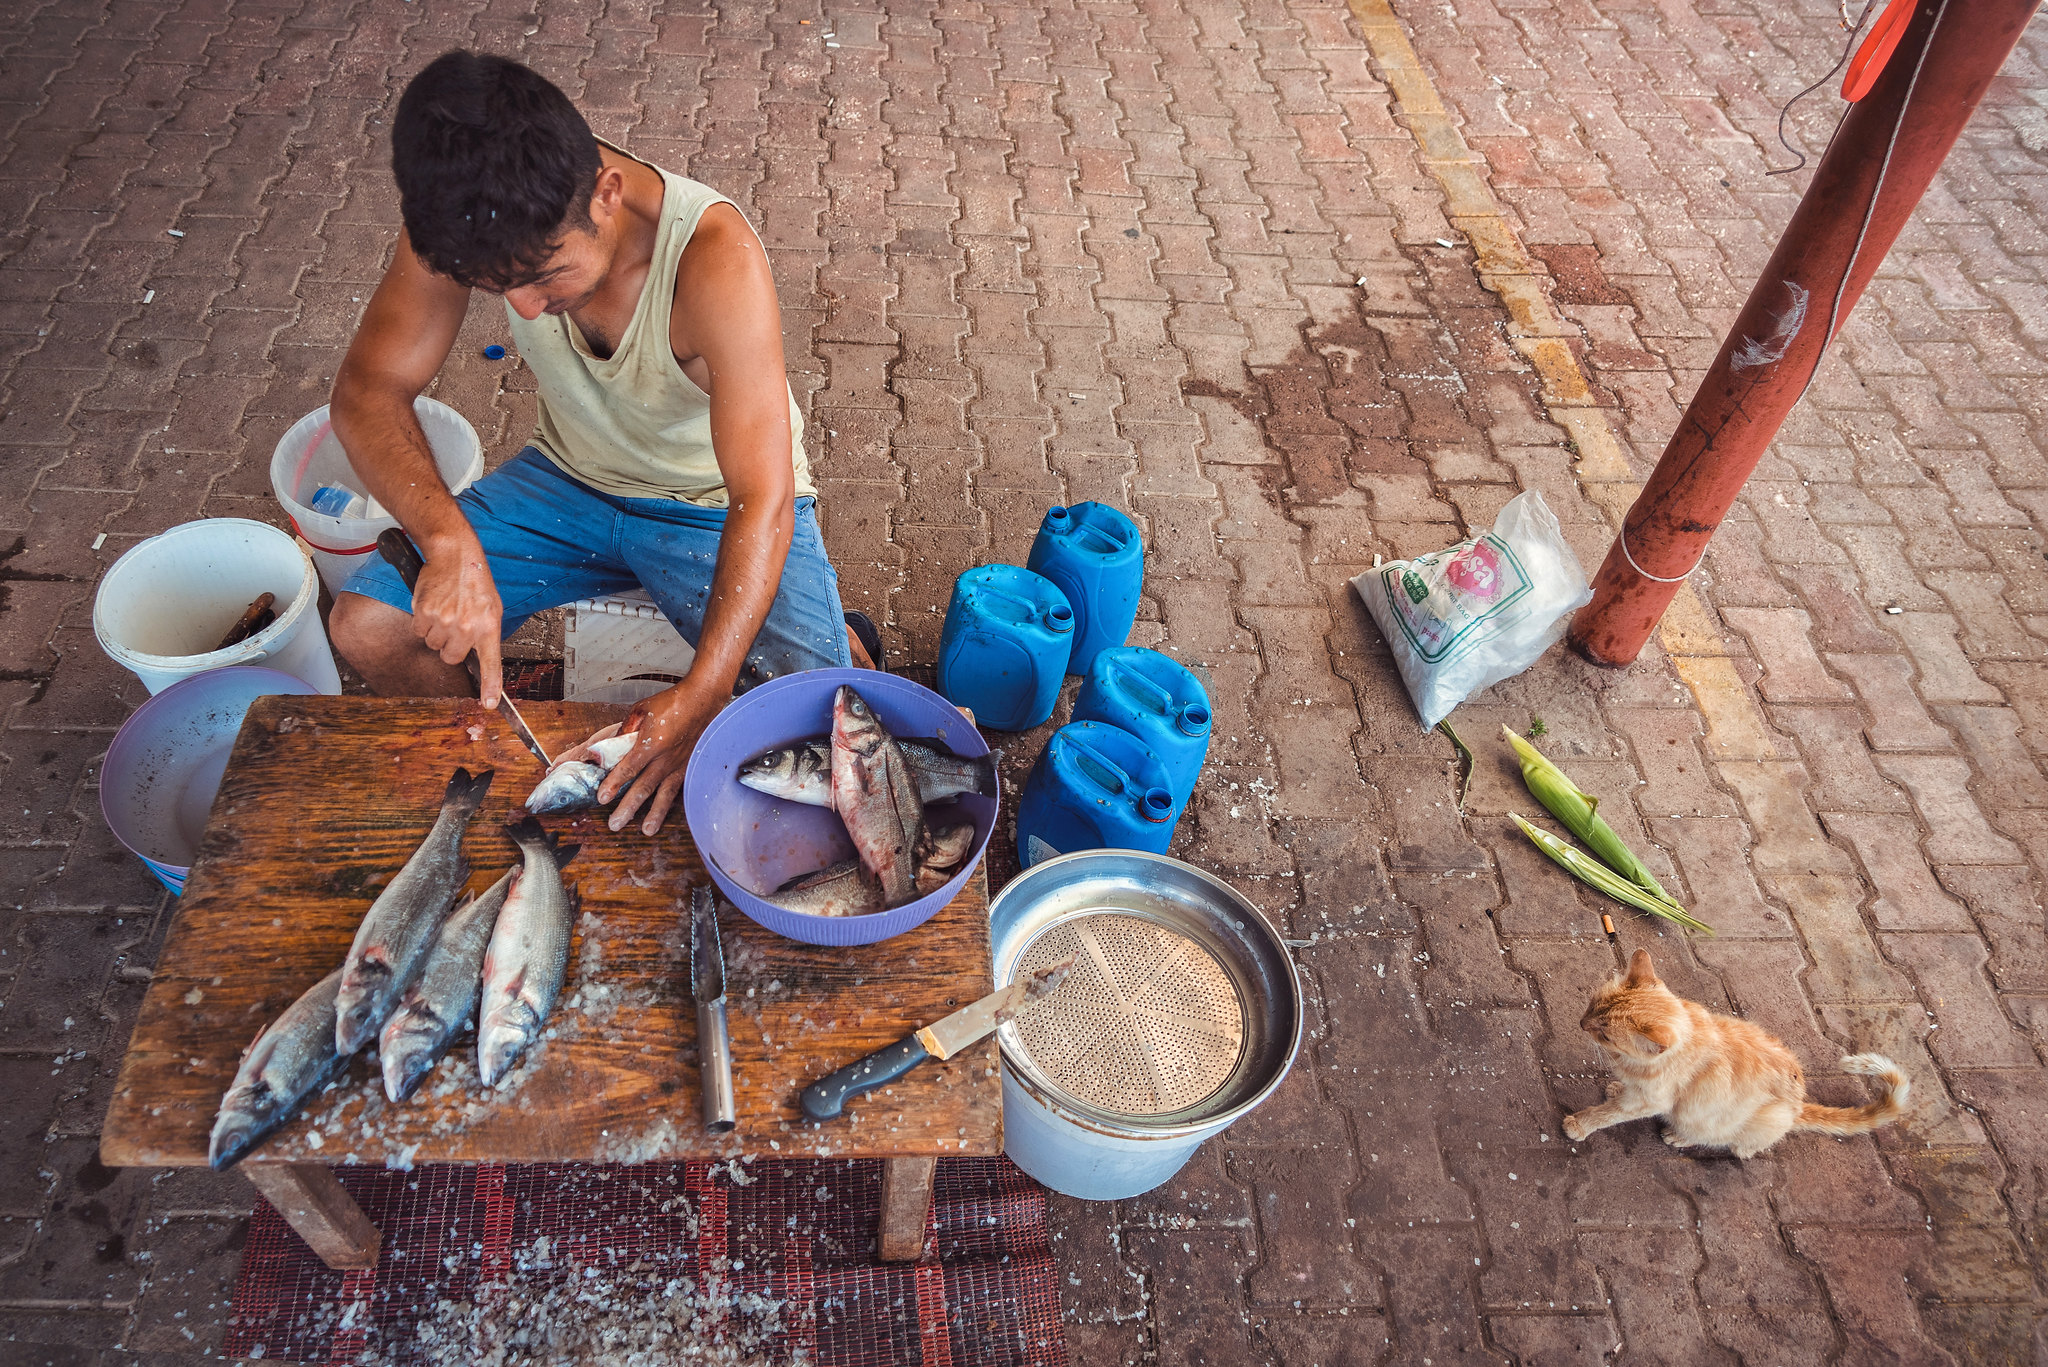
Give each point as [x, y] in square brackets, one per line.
[1156, 699]
[1096, 787]
[1094, 554]
[1004, 649]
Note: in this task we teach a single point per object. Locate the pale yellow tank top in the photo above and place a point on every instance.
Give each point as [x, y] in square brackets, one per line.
[634, 425]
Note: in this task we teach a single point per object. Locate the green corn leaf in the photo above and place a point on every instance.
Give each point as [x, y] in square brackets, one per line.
[1598, 876]
[1579, 811]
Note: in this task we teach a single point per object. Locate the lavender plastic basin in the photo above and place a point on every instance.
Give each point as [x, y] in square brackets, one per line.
[166, 762]
[753, 843]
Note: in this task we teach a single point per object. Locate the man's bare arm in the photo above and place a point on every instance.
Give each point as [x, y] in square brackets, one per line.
[726, 317]
[405, 335]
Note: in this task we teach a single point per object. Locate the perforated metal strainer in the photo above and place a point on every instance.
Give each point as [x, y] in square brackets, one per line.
[1182, 1010]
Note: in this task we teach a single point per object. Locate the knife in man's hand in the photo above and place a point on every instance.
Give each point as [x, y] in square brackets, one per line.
[395, 546]
[942, 1039]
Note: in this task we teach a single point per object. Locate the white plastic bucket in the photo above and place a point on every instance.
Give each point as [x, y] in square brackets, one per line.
[164, 606]
[309, 457]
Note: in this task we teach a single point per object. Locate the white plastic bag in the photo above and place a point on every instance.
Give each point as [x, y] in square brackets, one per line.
[1479, 612]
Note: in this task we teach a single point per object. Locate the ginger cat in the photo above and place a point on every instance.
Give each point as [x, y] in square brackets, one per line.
[1715, 1080]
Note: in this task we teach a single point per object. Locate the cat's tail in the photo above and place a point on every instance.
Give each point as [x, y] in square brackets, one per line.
[1857, 1119]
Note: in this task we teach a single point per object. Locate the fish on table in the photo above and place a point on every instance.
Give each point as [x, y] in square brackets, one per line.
[803, 772]
[528, 954]
[290, 1059]
[875, 795]
[572, 784]
[400, 926]
[444, 996]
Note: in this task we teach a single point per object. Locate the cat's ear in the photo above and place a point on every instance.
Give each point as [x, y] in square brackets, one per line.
[1641, 973]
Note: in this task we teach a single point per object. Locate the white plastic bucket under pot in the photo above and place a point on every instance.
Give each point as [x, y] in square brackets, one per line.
[309, 458]
[1181, 1012]
[163, 607]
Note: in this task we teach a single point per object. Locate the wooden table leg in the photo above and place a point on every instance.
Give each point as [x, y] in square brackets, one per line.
[313, 1202]
[906, 1206]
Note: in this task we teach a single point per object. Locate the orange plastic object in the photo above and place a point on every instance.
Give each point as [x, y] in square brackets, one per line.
[1868, 63]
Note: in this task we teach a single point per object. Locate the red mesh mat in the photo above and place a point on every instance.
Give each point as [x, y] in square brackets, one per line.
[774, 1262]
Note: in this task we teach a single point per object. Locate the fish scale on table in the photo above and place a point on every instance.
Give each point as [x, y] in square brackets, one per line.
[400, 926]
[528, 955]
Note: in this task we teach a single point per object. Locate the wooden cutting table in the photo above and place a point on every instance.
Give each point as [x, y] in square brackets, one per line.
[325, 798]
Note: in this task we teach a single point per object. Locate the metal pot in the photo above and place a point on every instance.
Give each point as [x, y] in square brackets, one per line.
[1182, 1013]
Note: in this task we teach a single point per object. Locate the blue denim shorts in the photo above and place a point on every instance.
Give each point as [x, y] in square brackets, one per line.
[551, 539]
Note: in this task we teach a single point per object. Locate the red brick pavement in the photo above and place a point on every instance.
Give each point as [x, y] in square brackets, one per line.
[1113, 251]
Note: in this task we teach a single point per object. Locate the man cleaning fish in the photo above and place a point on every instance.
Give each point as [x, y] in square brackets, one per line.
[668, 452]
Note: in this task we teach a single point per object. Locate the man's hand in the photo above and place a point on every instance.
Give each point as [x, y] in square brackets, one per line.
[455, 610]
[668, 725]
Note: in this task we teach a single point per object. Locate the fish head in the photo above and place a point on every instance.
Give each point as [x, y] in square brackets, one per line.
[245, 1118]
[854, 723]
[355, 1009]
[405, 1067]
[951, 845]
[774, 771]
[568, 787]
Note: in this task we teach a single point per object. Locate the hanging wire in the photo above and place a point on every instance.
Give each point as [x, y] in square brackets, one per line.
[1869, 9]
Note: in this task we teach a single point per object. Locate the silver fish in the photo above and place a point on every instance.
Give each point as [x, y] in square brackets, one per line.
[803, 772]
[440, 1002]
[848, 889]
[875, 796]
[572, 784]
[399, 928]
[291, 1059]
[528, 955]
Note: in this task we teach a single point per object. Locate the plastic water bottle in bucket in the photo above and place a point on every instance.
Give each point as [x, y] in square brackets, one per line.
[1096, 787]
[320, 490]
[165, 609]
[1004, 649]
[1093, 552]
[1156, 699]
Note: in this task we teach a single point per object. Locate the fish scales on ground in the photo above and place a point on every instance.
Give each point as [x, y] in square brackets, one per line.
[444, 996]
[293, 1057]
[803, 772]
[875, 795]
[400, 926]
[572, 785]
[528, 954]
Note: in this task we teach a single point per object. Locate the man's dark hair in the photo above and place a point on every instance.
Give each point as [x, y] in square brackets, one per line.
[494, 167]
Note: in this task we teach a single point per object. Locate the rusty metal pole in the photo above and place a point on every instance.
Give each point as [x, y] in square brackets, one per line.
[1886, 151]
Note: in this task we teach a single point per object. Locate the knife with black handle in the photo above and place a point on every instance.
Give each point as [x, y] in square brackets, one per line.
[825, 1098]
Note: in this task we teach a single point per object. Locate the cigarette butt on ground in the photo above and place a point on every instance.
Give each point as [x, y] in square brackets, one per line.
[1607, 922]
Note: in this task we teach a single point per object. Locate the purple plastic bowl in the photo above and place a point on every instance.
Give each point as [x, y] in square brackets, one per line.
[166, 762]
[753, 843]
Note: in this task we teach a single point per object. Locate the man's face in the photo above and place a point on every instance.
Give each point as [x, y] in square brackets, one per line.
[569, 280]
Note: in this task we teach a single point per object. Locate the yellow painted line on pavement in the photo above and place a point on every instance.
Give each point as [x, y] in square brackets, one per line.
[1736, 728]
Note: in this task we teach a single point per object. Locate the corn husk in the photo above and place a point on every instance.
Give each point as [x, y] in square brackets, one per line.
[1579, 811]
[1598, 876]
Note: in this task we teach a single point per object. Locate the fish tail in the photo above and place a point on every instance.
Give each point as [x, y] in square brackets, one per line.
[466, 792]
[528, 831]
[985, 773]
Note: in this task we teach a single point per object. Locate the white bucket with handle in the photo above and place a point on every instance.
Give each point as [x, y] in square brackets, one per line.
[163, 608]
[309, 458]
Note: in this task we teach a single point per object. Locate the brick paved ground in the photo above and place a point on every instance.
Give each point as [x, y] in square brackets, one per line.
[1045, 251]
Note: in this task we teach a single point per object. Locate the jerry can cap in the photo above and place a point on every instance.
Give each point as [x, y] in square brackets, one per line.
[1156, 805]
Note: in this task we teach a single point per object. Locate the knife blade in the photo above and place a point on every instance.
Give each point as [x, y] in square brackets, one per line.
[714, 1031]
[942, 1039]
[397, 548]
